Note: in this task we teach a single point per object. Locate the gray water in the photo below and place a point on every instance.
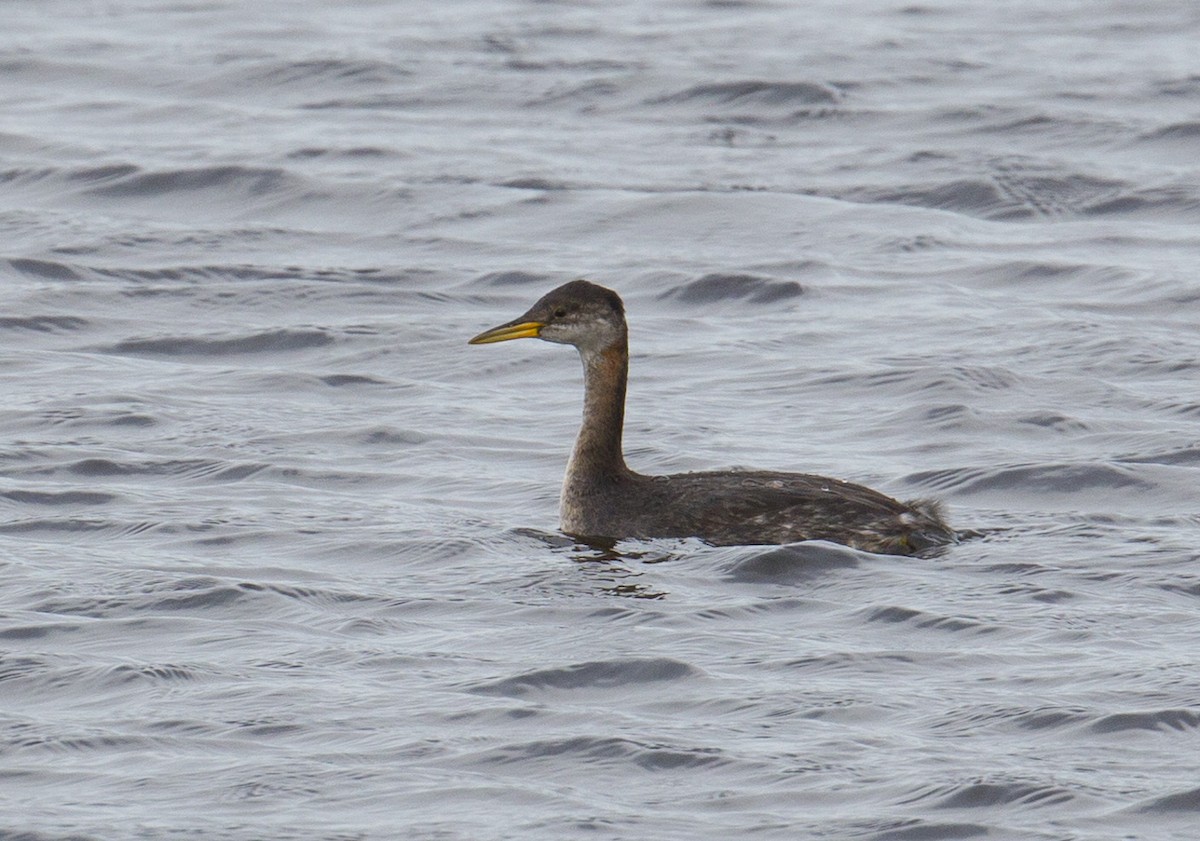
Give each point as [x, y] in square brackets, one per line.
[279, 551]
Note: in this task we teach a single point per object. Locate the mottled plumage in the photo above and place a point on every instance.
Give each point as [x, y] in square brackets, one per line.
[603, 498]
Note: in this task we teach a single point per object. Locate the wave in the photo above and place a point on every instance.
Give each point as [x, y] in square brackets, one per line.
[987, 794]
[1033, 478]
[1023, 193]
[754, 91]
[269, 341]
[195, 594]
[1179, 720]
[601, 674]
[1187, 800]
[43, 323]
[140, 184]
[597, 750]
[717, 287]
[923, 830]
[58, 498]
[923, 620]
[794, 563]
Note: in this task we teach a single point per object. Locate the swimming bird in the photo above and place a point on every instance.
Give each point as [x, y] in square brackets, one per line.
[603, 499]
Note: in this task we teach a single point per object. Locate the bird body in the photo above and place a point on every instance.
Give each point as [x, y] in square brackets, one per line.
[603, 499]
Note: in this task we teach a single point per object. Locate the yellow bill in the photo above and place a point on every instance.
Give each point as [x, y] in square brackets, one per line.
[512, 330]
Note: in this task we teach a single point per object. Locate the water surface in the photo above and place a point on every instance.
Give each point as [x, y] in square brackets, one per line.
[279, 550]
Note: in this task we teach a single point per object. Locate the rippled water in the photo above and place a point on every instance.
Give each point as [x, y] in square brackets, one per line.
[279, 549]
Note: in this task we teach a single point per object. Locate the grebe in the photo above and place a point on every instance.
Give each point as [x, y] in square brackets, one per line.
[602, 499]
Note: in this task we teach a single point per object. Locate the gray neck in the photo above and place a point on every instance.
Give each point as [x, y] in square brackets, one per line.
[598, 454]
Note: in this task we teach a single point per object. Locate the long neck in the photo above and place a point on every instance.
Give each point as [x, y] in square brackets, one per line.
[598, 448]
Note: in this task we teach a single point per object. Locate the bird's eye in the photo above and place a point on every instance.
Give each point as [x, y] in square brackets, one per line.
[561, 312]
